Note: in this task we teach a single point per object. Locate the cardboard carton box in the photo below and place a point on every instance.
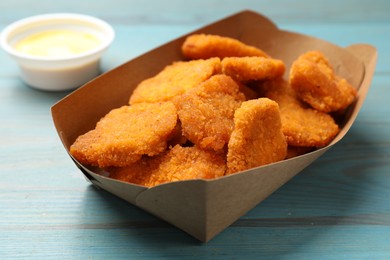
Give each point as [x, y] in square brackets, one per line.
[203, 208]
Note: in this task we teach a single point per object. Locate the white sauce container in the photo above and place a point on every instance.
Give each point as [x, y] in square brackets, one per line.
[51, 73]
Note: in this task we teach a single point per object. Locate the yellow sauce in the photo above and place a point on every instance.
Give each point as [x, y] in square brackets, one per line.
[57, 43]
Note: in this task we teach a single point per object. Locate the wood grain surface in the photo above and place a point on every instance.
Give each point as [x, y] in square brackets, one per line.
[337, 208]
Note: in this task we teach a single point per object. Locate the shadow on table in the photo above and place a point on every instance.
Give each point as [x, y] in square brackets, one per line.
[326, 194]
[129, 217]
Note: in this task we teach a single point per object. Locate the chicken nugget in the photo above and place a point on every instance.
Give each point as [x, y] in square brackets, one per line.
[302, 125]
[126, 133]
[204, 46]
[257, 138]
[252, 68]
[177, 164]
[315, 82]
[206, 112]
[174, 80]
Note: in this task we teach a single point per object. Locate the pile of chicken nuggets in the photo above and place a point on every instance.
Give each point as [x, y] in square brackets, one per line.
[225, 109]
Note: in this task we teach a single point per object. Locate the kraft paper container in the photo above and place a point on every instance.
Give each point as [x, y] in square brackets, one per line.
[203, 208]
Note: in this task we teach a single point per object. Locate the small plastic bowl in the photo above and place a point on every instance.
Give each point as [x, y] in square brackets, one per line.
[51, 73]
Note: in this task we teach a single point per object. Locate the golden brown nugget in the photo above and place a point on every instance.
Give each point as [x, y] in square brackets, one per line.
[257, 138]
[252, 68]
[204, 46]
[206, 112]
[177, 164]
[126, 133]
[174, 80]
[302, 125]
[315, 82]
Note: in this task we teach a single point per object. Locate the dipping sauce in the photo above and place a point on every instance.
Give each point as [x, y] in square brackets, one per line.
[57, 43]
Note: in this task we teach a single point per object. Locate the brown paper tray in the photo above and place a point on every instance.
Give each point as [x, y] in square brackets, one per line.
[203, 208]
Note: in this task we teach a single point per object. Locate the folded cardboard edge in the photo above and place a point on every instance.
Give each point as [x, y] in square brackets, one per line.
[145, 195]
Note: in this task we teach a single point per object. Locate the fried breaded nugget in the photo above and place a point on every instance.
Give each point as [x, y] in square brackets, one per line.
[315, 82]
[257, 138]
[204, 46]
[174, 80]
[206, 112]
[126, 133]
[177, 164]
[302, 125]
[252, 68]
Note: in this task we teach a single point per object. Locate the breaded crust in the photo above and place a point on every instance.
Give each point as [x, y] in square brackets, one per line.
[315, 82]
[174, 80]
[302, 125]
[204, 46]
[126, 133]
[252, 68]
[257, 138]
[206, 112]
[177, 164]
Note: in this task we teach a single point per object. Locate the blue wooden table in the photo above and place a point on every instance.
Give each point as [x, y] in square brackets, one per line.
[337, 208]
